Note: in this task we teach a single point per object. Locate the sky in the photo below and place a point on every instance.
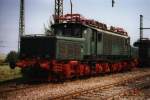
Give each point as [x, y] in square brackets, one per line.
[124, 14]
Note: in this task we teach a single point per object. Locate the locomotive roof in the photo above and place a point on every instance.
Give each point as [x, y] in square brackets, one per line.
[98, 29]
[107, 31]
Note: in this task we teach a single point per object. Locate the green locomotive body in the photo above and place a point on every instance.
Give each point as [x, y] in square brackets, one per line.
[78, 42]
[74, 41]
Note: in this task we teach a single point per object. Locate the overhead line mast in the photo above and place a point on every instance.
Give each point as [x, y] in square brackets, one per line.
[141, 27]
[113, 2]
[58, 10]
[21, 23]
[22, 19]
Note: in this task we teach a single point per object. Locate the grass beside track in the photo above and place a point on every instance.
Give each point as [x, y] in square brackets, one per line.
[6, 73]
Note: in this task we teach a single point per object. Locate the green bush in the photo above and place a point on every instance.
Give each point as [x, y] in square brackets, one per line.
[12, 58]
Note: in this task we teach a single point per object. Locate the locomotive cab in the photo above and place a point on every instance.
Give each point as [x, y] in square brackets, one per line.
[65, 42]
[70, 41]
[68, 30]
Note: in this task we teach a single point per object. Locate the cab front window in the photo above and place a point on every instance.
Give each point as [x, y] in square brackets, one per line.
[68, 30]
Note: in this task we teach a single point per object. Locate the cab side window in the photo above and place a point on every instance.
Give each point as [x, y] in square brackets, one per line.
[99, 37]
[94, 35]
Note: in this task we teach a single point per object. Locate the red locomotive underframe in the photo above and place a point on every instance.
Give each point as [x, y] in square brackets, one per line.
[76, 68]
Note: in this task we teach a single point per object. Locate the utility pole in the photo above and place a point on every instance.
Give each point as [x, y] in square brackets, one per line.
[71, 9]
[113, 2]
[21, 23]
[22, 19]
[141, 27]
[144, 46]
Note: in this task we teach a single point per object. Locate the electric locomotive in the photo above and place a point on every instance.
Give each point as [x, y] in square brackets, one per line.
[77, 47]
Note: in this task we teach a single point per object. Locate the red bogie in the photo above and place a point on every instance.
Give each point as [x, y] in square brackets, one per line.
[67, 71]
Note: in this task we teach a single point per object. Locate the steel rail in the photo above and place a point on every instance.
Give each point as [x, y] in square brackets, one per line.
[128, 91]
[97, 88]
[18, 88]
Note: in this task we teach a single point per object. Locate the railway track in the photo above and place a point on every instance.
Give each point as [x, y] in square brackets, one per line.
[130, 88]
[108, 92]
[15, 86]
[72, 89]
